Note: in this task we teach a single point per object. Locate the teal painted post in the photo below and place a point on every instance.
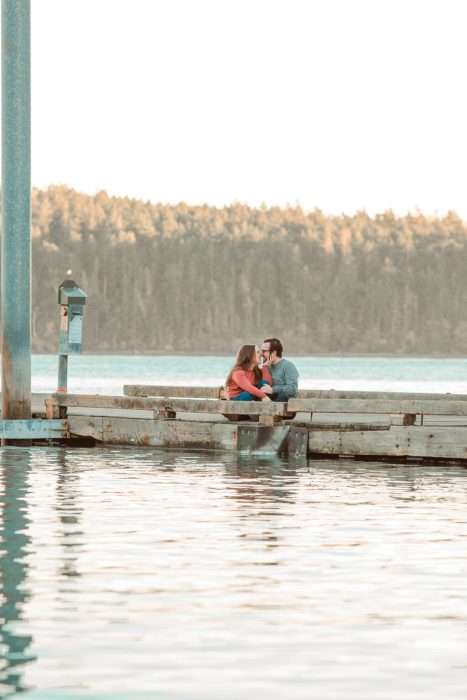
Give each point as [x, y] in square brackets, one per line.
[71, 300]
[62, 373]
[16, 209]
[63, 346]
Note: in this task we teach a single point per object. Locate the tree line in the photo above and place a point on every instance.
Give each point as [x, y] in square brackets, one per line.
[181, 278]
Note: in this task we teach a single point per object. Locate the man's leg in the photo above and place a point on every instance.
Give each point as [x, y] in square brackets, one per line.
[283, 397]
[280, 396]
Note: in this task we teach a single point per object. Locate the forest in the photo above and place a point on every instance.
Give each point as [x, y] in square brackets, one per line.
[198, 279]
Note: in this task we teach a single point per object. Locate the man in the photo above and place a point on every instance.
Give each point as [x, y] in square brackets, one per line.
[284, 373]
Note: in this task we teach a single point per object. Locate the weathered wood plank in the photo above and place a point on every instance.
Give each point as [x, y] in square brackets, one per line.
[262, 439]
[147, 432]
[297, 443]
[250, 408]
[424, 442]
[37, 403]
[267, 420]
[435, 443]
[52, 409]
[212, 392]
[87, 426]
[266, 408]
[393, 395]
[453, 421]
[102, 401]
[34, 429]
[178, 434]
[443, 407]
[316, 425]
[196, 392]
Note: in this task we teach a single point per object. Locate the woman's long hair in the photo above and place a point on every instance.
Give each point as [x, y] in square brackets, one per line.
[245, 358]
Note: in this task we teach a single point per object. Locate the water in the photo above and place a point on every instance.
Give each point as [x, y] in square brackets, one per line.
[107, 374]
[143, 574]
[131, 574]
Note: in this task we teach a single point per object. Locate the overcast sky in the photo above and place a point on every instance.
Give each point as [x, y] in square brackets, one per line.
[336, 104]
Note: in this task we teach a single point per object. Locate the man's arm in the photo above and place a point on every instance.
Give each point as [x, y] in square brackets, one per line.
[290, 385]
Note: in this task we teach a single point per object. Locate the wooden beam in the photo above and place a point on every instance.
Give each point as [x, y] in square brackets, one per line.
[394, 395]
[435, 443]
[147, 432]
[438, 407]
[248, 408]
[254, 408]
[33, 429]
[345, 426]
[267, 420]
[196, 392]
[212, 393]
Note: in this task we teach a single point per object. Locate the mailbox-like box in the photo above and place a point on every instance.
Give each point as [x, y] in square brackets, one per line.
[72, 300]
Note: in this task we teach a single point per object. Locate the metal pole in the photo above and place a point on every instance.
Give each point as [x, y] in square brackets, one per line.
[62, 385]
[16, 208]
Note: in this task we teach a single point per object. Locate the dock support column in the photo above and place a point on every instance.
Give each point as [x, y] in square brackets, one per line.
[16, 209]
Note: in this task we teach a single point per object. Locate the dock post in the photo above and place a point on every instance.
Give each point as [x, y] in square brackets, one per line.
[16, 209]
[62, 374]
[72, 300]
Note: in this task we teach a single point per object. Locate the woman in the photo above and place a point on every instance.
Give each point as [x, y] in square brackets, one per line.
[246, 381]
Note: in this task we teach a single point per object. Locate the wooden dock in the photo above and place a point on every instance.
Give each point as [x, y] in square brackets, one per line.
[375, 425]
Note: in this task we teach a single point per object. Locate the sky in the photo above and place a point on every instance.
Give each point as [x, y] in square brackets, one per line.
[336, 104]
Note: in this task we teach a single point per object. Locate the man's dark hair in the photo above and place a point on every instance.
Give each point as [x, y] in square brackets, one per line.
[275, 345]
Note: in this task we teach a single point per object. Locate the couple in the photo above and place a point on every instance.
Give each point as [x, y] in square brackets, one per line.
[261, 375]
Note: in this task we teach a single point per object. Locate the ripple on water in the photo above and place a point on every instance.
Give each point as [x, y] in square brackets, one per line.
[143, 573]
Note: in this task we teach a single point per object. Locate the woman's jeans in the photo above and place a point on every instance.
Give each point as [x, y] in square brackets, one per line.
[246, 396]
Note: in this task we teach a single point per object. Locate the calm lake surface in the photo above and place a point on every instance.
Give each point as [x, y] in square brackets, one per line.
[133, 574]
[107, 374]
[147, 574]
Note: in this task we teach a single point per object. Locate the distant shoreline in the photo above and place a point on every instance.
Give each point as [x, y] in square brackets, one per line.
[174, 353]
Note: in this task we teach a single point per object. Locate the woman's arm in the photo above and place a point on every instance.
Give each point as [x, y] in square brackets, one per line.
[240, 378]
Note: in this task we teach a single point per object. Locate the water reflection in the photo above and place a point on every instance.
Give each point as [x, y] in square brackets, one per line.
[270, 479]
[264, 488]
[69, 511]
[15, 466]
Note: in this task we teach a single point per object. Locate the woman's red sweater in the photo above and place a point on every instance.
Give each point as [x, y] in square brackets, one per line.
[243, 380]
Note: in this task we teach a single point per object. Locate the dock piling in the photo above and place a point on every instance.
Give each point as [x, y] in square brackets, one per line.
[16, 209]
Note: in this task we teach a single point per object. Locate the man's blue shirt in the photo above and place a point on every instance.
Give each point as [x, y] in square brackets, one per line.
[284, 378]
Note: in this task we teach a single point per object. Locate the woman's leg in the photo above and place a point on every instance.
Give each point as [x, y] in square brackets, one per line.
[244, 396]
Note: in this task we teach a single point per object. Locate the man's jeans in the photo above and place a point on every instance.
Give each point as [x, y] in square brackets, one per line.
[280, 396]
[246, 396]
